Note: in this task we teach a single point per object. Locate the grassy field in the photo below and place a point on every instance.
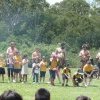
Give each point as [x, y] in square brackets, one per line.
[58, 92]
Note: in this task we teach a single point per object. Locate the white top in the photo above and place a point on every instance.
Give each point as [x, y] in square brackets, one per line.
[36, 67]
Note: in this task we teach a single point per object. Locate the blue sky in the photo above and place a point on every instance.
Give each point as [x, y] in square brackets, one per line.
[54, 1]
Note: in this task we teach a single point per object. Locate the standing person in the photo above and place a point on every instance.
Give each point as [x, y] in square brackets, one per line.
[35, 71]
[24, 70]
[2, 65]
[43, 67]
[11, 50]
[10, 68]
[98, 63]
[53, 68]
[84, 55]
[36, 55]
[17, 67]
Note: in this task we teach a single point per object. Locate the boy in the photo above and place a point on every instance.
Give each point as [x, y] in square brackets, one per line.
[53, 68]
[66, 73]
[88, 70]
[77, 78]
[43, 67]
[17, 67]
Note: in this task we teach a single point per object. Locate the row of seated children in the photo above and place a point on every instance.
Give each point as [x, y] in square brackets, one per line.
[41, 94]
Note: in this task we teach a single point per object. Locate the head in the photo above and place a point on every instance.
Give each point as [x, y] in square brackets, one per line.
[37, 50]
[24, 56]
[12, 44]
[17, 53]
[83, 98]
[42, 94]
[84, 46]
[10, 95]
[43, 58]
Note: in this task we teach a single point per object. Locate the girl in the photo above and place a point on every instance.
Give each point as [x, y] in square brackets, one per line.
[24, 70]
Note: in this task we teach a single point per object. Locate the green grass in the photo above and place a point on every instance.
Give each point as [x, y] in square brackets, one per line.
[57, 92]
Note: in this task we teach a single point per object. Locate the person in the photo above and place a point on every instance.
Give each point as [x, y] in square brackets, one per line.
[43, 67]
[83, 98]
[66, 74]
[84, 55]
[11, 50]
[2, 65]
[35, 71]
[53, 67]
[24, 70]
[10, 68]
[98, 63]
[42, 94]
[77, 78]
[36, 55]
[17, 67]
[88, 70]
[10, 95]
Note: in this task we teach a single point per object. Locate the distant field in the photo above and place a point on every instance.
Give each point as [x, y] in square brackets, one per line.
[57, 92]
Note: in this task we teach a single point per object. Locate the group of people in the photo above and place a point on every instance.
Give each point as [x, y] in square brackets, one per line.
[41, 94]
[17, 66]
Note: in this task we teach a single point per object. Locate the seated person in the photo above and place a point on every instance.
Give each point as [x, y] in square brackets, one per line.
[77, 78]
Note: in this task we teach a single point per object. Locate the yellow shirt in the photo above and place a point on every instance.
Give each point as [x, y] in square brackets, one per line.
[77, 76]
[2, 63]
[66, 71]
[43, 66]
[88, 68]
[17, 61]
[54, 64]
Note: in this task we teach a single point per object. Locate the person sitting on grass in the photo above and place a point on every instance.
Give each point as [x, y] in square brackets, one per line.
[83, 98]
[42, 94]
[2, 65]
[77, 78]
[66, 74]
[10, 95]
[43, 67]
[88, 70]
[53, 67]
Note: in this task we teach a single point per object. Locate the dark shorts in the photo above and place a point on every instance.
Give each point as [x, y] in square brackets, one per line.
[2, 71]
[79, 80]
[52, 74]
[42, 74]
[64, 77]
[17, 70]
[98, 65]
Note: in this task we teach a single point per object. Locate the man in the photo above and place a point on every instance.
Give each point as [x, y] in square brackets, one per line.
[36, 55]
[84, 55]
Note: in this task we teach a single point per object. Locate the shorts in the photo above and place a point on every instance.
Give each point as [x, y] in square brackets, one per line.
[79, 80]
[85, 75]
[52, 74]
[64, 76]
[17, 70]
[2, 70]
[42, 74]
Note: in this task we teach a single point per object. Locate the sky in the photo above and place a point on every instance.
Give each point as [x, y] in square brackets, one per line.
[54, 1]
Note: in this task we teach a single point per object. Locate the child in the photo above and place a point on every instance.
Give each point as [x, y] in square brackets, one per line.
[88, 70]
[77, 78]
[43, 66]
[66, 73]
[17, 67]
[35, 71]
[10, 68]
[2, 65]
[24, 70]
[53, 68]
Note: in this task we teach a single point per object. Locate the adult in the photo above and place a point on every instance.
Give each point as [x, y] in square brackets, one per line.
[11, 50]
[84, 54]
[36, 55]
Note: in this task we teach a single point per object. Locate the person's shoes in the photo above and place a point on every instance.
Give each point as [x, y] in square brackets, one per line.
[62, 84]
[14, 81]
